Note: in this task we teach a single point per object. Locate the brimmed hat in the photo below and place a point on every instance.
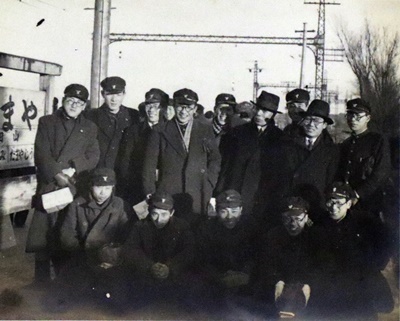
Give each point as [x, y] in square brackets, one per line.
[341, 190]
[185, 96]
[155, 95]
[229, 198]
[318, 108]
[295, 205]
[298, 95]
[103, 177]
[77, 91]
[162, 200]
[113, 85]
[358, 105]
[268, 101]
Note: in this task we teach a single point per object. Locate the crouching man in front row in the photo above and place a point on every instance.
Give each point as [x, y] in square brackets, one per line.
[94, 227]
[158, 252]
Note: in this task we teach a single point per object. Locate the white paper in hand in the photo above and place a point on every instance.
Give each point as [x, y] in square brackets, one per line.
[57, 200]
[141, 209]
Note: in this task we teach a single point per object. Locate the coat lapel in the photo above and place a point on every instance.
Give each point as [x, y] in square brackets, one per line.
[172, 135]
[103, 119]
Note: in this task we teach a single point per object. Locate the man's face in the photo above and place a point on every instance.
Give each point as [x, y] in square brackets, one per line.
[73, 106]
[185, 113]
[101, 193]
[229, 216]
[294, 108]
[338, 207]
[113, 101]
[223, 113]
[358, 122]
[153, 112]
[262, 116]
[313, 126]
[160, 217]
[294, 224]
[169, 112]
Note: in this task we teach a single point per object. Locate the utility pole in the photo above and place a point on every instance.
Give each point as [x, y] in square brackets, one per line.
[255, 71]
[303, 52]
[101, 42]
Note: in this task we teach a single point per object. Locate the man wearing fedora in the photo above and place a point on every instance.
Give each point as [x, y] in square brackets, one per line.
[312, 156]
[255, 165]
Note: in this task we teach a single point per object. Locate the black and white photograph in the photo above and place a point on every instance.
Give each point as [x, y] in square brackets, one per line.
[199, 160]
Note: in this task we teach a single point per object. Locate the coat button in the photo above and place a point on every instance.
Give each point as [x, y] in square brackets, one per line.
[202, 171]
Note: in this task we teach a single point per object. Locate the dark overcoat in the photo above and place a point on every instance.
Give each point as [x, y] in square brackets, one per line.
[255, 171]
[311, 171]
[109, 134]
[189, 176]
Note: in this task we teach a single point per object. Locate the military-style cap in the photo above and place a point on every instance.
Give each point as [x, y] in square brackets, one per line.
[358, 105]
[318, 108]
[103, 177]
[295, 205]
[162, 200]
[77, 91]
[225, 99]
[155, 95]
[268, 101]
[229, 198]
[113, 85]
[185, 96]
[297, 96]
[341, 190]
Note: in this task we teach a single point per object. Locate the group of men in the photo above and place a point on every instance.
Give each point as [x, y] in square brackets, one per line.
[234, 203]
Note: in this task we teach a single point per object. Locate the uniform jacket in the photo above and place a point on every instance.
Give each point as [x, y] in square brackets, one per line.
[84, 228]
[172, 245]
[55, 152]
[109, 136]
[192, 175]
[365, 162]
[130, 160]
[311, 172]
[256, 160]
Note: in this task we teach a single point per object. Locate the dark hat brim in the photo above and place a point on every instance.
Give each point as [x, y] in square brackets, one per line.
[327, 119]
[266, 108]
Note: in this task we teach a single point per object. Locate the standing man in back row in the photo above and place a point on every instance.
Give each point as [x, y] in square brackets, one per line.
[296, 102]
[111, 119]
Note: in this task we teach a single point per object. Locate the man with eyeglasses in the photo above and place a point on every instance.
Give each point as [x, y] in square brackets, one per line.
[133, 145]
[66, 149]
[256, 170]
[285, 275]
[356, 249]
[312, 157]
[365, 158]
[112, 118]
[296, 102]
[187, 157]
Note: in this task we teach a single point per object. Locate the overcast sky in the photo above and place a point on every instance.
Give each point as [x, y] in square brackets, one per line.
[209, 69]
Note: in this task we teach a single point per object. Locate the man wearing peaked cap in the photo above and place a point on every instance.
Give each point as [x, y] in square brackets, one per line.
[66, 148]
[187, 158]
[112, 118]
[296, 101]
[133, 146]
[312, 157]
[223, 111]
[96, 223]
[254, 169]
[365, 158]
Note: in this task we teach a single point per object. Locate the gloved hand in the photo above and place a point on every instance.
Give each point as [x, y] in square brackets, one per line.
[62, 180]
[110, 254]
[306, 291]
[279, 289]
[160, 271]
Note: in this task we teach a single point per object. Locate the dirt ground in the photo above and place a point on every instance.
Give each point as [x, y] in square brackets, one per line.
[17, 271]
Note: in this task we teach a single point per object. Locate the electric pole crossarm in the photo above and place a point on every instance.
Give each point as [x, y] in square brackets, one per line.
[114, 37]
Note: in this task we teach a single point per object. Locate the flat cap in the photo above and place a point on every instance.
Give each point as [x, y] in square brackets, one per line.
[358, 105]
[229, 198]
[113, 85]
[77, 91]
[103, 177]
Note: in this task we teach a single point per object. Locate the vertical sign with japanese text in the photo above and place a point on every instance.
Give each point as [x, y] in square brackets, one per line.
[20, 111]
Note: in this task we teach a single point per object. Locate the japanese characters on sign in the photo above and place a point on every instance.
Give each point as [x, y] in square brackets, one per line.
[20, 111]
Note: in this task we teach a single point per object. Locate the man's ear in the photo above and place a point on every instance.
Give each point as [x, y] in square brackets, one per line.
[325, 125]
[349, 204]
